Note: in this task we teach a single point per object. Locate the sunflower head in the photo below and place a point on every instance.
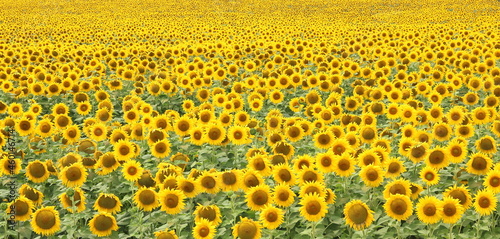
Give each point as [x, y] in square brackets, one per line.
[357, 215]
[45, 221]
[247, 228]
[103, 224]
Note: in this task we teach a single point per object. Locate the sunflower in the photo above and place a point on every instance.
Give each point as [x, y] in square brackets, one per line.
[160, 149]
[479, 164]
[486, 145]
[485, 202]
[358, 215]
[368, 157]
[368, 133]
[452, 210]
[437, 158]
[204, 229]
[465, 131]
[461, 193]
[325, 162]
[146, 199]
[309, 175]
[372, 175]
[214, 134]
[251, 179]
[77, 200]
[271, 217]
[231, 180]
[492, 181]
[132, 170]
[399, 207]
[457, 150]
[415, 189]
[72, 134]
[73, 175]
[313, 208]
[209, 182]
[429, 210]
[284, 148]
[22, 207]
[441, 131]
[247, 229]
[418, 152]
[98, 131]
[210, 213]
[343, 165]
[171, 200]
[103, 224]
[282, 195]
[37, 172]
[394, 167]
[313, 187]
[107, 203]
[398, 186]
[455, 115]
[24, 126]
[32, 194]
[45, 221]
[165, 234]
[258, 197]
[324, 140]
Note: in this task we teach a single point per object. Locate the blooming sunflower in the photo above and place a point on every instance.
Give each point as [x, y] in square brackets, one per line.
[165, 234]
[210, 213]
[172, 200]
[230, 180]
[251, 179]
[416, 189]
[31, 193]
[457, 150]
[258, 197]
[160, 149]
[283, 195]
[108, 203]
[399, 207]
[146, 199]
[123, 150]
[372, 175]
[309, 175]
[209, 182]
[239, 135]
[479, 164]
[429, 175]
[271, 217]
[437, 158]
[103, 224]
[282, 173]
[486, 145]
[37, 172]
[132, 170]
[247, 228]
[325, 162]
[214, 134]
[204, 229]
[343, 165]
[260, 163]
[394, 167]
[358, 215]
[313, 208]
[485, 202]
[73, 175]
[45, 221]
[461, 193]
[452, 210]
[398, 186]
[429, 209]
[492, 181]
[23, 208]
[324, 140]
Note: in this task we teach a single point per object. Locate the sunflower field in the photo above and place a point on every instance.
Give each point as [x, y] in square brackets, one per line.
[249, 119]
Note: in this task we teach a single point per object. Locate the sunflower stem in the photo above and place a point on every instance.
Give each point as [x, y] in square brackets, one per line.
[477, 224]
[398, 228]
[313, 229]
[450, 233]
